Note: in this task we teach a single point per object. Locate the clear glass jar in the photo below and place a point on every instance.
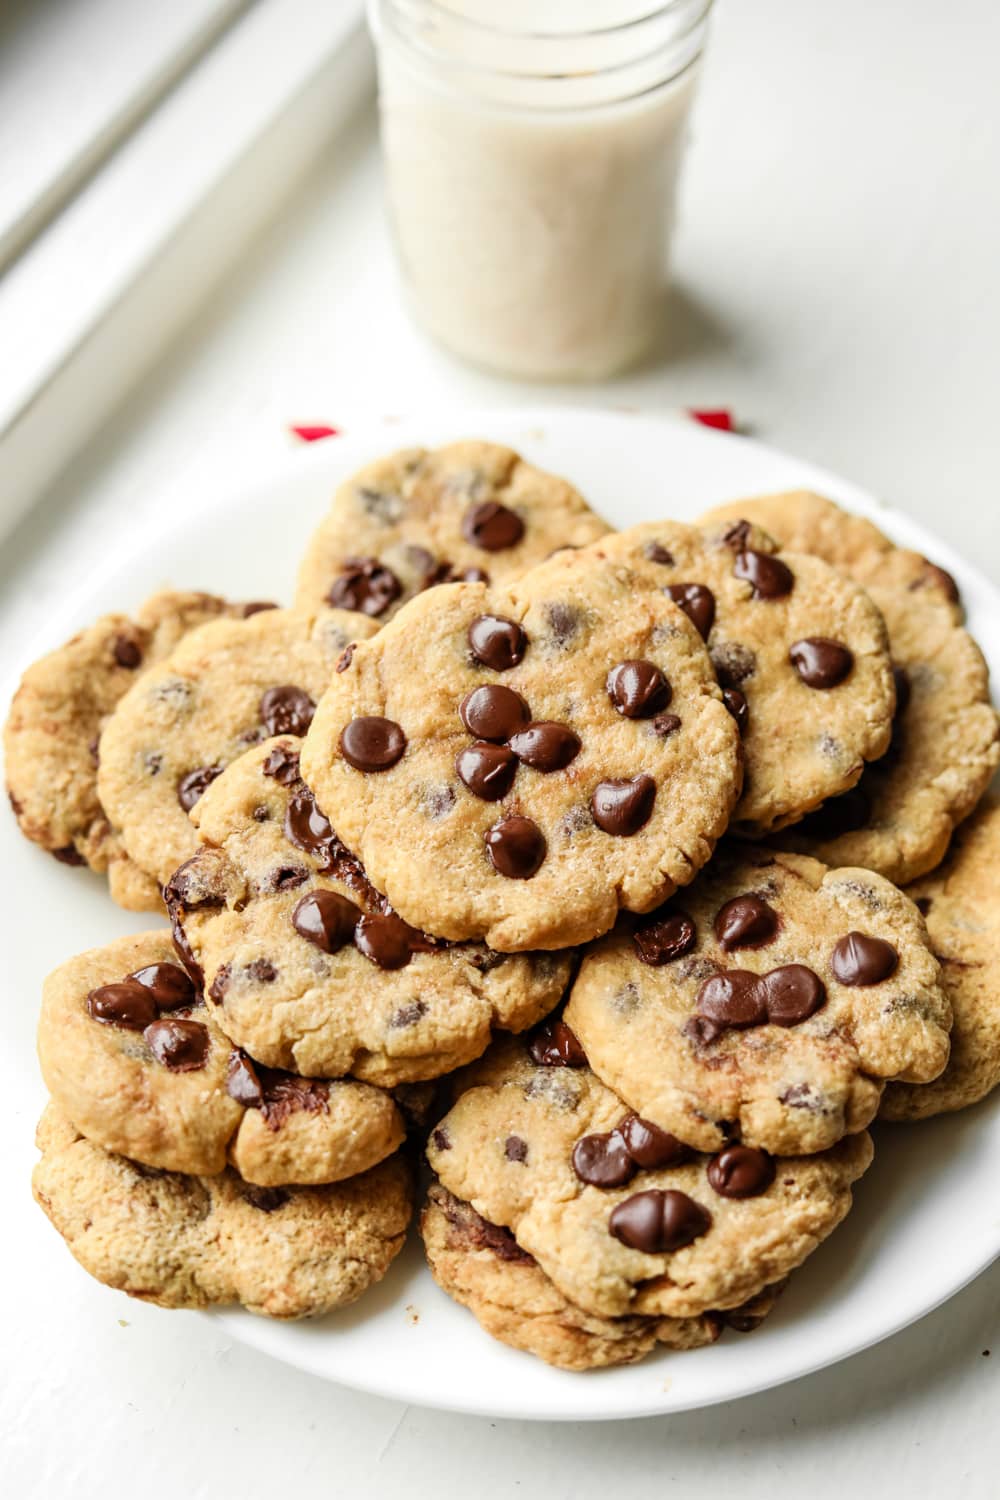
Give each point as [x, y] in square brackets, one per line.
[532, 150]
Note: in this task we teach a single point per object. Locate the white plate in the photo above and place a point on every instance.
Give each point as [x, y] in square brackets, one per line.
[928, 1214]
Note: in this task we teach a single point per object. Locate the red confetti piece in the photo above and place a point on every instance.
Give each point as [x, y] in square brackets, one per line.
[718, 417]
[313, 434]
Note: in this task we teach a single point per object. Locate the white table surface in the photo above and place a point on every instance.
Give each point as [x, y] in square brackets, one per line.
[837, 286]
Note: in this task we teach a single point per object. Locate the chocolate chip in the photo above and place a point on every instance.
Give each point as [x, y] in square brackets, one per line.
[308, 828]
[638, 689]
[623, 807]
[385, 940]
[370, 743]
[939, 579]
[261, 814]
[242, 1081]
[821, 663]
[284, 878]
[437, 801]
[664, 725]
[555, 1045]
[844, 814]
[126, 653]
[487, 770]
[769, 577]
[663, 937]
[603, 1160]
[497, 642]
[745, 922]
[287, 710]
[737, 535]
[181, 1046]
[792, 994]
[169, 985]
[658, 1222]
[282, 765]
[741, 1172]
[858, 959]
[733, 998]
[194, 784]
[564, 621]
[326, 919]
[407, 1015]
[183, 948]
[346, 657]
[733, 663]
[266, 1199]
[545, 746]
[441, 1140]
[68, 855]
[261, 971]
[515, 1149]
[256, 607]
[516, 847]
[649, 1146]
[697, 602]
[129, 1004]
[736, 702]
[656, 552]
[364, 585]
[492, 526]
[492, 712]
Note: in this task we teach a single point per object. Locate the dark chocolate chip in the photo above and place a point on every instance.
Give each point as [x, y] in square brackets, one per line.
[126, 653]
[769, 577]
[623, 807]
[650, 1147]
[287, 710]
[181, 1046]
[736, 702]
[733, 998]
[407, 1015]
[858, 959]
[545, 746]
[441, 1140]
[658, 1222]
[308, 828]
[792, 994]
[665, 725]
[68, 855]
[492, 526]
[261, 971]
[741, 1172]
[242, 1081]
[638, 689]
[663, 937]
[940, 579]
[564, 621]
[194, 784]
[326, 919]
[555, 1045]
[169, 985]
[256, 607]
[515, 1149]
[370, 743]
[364, 585]
[266, 1199]
[737, 535]
[492, 712]
[282, 765]
[129, 1004]
[821, 663]
[656, 552]
[603, 1160]
[733, 663]
[346, 657]
[697, 602]
[516, 847]
[745, 922]
[385, 939]
[487, 770]
[497, 642]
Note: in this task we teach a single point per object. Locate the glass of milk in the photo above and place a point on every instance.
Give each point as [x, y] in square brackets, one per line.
[532, 150]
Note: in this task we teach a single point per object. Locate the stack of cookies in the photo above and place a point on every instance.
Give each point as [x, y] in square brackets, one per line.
[610, 875]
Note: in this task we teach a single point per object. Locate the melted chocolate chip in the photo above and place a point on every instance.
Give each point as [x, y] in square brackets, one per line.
[741, 1172]
[285, 1094]
[364, 585]
[769, 577]
[638, 689]
[126, 653]
[194, 784]
[129, 1004]
[621, 808]
[603, 1160]
[650, 1147]
[308, 828]
[282, 765]
[697, 602]
[663, 937]
[514, 1149]
[492, 712]
[287, 710]
[492, 526]
[168, 984]
[181, 1046]
[745, 922]
[284, 878]
[665, 725]
[733, 663]
[326, 919]
[385, 939]
[734, 998]
[243, 1081]
[555, 1045]
[658, 1222]
[487, 770]
[497, 642]
[736, 537]
[821, 663]
[372, 744]
[792, 994]
[737, 704]
[516, 847]
[858, 959]
[844, 814]
[545, 746]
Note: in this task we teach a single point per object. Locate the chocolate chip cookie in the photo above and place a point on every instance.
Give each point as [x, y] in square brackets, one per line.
[482, 1266]
[959, 902]
[516, 765]
[945, 738]
[769, 1004]
[800, 651]
[417, 518]
[55, 721]
[306, 966]
[226, 687]
[130, 1052]
[189, 1241]
[622, 1217]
